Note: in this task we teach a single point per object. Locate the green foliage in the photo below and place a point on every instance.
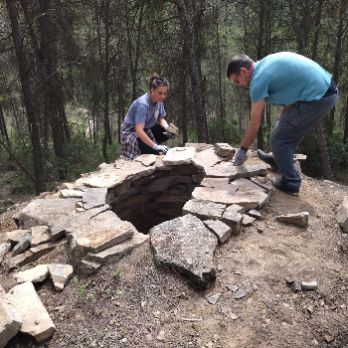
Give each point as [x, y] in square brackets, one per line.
[81, 156]
[223, 131]
[338, 153]
[82, 289]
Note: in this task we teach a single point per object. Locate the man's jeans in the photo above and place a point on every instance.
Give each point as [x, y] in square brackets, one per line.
[293, 125]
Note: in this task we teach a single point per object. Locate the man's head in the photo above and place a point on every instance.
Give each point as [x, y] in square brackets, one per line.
[240, 70]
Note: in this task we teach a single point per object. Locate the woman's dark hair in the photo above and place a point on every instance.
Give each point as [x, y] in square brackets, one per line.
[237, 62]
[157, 81]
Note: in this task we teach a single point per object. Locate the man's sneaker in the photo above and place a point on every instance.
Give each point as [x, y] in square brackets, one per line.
[263, 156]
[280, 185]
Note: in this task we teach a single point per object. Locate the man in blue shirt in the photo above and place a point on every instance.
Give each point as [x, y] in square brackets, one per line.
[305, 90]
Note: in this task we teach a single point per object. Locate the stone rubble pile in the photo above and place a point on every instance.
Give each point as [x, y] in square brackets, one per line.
[187, 202]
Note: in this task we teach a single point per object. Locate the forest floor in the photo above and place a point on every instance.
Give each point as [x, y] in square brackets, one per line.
[134, 303]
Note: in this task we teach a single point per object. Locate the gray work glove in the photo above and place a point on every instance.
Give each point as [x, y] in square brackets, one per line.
[240, 157]
[161, 148]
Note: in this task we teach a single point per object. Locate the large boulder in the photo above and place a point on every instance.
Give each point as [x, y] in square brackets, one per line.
[342, 215]
[186, 245]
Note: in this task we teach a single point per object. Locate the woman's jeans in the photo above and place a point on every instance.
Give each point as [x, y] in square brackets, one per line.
[293, 125]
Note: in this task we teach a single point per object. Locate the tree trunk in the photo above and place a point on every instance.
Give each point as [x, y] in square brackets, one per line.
[345, 134]
[29, 103]
[52, 86]
[3, 129]
[188, 29]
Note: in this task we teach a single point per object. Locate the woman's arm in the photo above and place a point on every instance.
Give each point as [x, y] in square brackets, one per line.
[162, 122]
[139, 129]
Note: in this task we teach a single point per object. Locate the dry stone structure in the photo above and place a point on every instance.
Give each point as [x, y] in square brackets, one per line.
[186, 203]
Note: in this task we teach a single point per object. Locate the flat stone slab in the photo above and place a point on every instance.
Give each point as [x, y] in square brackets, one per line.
[263, 181]
[208, 158]
[111, 176]
[70, 193]
[34, 275]
[42, 249]
[116, 252]
[244, 196]
[44, 211]
[10, 321]
[222, 231]
[342, 215]
[299, 219]
[94, 197]
[35, 318]
[99, 233]
[215, 182]
[186, 245]
[204, 209]
[179, 155]
[243, 182]
[228, 170]
[16, 236]
[40, 234]
[60, 274]
[65, 223]
[146, 159]
[21, 259]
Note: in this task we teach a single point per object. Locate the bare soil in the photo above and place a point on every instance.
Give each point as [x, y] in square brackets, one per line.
[134, 303]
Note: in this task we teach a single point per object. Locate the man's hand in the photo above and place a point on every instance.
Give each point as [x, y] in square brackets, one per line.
[240, 157]
[161, 148]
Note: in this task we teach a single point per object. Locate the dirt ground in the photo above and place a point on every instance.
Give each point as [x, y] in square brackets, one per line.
[134, 303]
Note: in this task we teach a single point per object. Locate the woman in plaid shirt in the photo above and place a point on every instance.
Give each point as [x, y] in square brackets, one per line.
[144, 126]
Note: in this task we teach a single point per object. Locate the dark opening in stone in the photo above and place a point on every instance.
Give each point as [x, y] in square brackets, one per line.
[159, 197]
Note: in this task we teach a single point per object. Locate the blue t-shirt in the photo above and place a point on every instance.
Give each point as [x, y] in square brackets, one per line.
[285, 78]
[144, 111]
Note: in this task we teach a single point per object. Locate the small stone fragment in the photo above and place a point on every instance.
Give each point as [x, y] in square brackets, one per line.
[234, 316]
[232, 288]
[224, 309]
[289, 280]
[247, 220]
[260, 230]
[160, 336]
[299, 219]
[296, 286]
[224, 150]
[328, 338]
[255, 213]
[88, 267]
[309, 286]
[240, 293]
[214, 298]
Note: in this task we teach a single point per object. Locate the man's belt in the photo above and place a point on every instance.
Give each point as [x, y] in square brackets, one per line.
[331, 90]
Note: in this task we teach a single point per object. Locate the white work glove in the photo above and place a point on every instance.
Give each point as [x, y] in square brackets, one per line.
[240, 157]
[161, 148]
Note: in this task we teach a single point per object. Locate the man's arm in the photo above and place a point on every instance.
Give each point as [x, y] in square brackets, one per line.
[254, 123]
